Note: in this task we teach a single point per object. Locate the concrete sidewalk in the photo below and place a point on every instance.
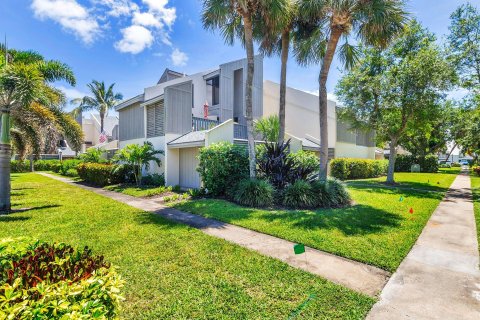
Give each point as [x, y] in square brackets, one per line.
[440, 278]
[351, 274]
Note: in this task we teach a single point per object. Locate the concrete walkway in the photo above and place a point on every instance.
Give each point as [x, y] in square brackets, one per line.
[439, 278]
[351, 274]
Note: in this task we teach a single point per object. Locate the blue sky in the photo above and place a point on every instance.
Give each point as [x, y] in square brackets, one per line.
[131, 42]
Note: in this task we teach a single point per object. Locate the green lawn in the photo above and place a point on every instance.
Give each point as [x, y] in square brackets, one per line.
[172, 271]
[377, 230]
[453, 170]
[476, 198]
[142, 191]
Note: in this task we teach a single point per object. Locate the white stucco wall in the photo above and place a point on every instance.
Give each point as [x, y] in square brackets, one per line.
[349, 150]
[301, 112]
[220, 133]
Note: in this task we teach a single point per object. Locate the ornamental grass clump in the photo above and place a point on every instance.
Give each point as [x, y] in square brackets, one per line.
[39, 280]
[299, 195]
[254, 193]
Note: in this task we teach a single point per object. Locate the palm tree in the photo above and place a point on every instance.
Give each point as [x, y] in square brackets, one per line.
[236, 18]
[138, 157]
[25, 78]
[102, 101]
[374, 22]
[277, 41]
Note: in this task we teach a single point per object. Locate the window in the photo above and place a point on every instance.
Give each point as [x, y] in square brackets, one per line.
[155, 120]
[215, 83]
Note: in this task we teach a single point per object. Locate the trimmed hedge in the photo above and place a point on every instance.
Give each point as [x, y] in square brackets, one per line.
[17, 166]
[39, 280]
[346, 168]
[403, 163]
[222, 165]
[100, 174]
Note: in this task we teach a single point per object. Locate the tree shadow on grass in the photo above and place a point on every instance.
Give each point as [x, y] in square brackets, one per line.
[354, 220]
[21, 210]
[419, 190]
[5, 218]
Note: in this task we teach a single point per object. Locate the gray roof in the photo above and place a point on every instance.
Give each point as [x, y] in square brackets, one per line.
[188, 138]
[307, 144]
[126, 103]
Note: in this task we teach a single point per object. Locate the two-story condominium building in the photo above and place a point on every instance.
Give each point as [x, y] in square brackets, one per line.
[183, 113]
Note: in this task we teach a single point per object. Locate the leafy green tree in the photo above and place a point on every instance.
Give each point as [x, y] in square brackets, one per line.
[396, 90]
[103, 100]
[139, 158]
[237, 19]
[27, 102]
[269, 128]
[375, 22]
[464, 45]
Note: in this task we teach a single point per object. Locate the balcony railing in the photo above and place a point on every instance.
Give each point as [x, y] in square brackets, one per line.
[239, 131]
[199, 124]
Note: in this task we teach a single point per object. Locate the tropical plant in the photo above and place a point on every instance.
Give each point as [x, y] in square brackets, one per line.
[93, 154]
[138, 157]
[103, 100]
[254, 193]
[396, 90]
[55, 281]
[300, 194]
[375, 22]
[30, 104]
[275, 165]
[237, 19]
[268, 127]
[331, 193]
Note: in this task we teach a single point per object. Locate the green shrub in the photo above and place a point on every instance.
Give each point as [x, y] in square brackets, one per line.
[299, 195]
[196, 193]
[429, 163]
[339, 168]
[346, 168]
[17, 166]
[331, 194]
[71, 173]
[44, 281]
[93, 155]
[254, 193]
[47, 165]
[100, 174]
[476, 169]
[221, 166]
[444, 165]
[67, 165]
[456, 165]
[157, 180]
[306, 164]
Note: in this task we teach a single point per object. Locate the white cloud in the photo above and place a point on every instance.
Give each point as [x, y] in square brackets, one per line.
[159, 8]
[179, 58]
[72, 93]
[135, 39]
[146, 19]
[118, 8]
[70, 15]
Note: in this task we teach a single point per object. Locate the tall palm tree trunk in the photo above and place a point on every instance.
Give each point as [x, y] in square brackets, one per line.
[5, 156]
[283, 83]
[323, 102]
[102, 121]
[248, 93]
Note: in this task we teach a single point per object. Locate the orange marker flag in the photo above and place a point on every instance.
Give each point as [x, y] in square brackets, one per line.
[411, 211]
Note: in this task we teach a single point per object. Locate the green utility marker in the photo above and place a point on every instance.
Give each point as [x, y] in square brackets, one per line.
[401, 199]
[299, 248]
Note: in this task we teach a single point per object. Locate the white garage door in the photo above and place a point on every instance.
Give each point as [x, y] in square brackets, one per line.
[189, 177]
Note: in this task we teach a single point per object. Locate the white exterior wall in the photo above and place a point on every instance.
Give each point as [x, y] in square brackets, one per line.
[301, 112]
[221, 133]
[350, 150]
[172, 163]
[158, 144]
